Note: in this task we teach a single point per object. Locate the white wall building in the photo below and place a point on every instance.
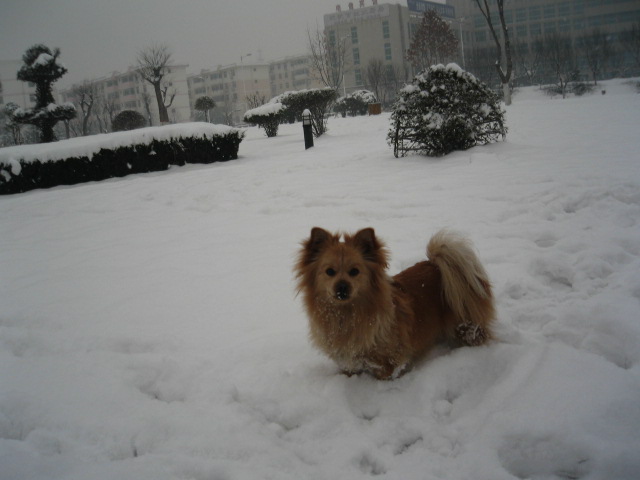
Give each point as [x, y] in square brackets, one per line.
[13, 90]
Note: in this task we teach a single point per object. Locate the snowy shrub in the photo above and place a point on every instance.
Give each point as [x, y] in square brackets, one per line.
[267, 116]
[317, 100]
[356, 103]
[128, 120]
[442, 110]
[115, 155]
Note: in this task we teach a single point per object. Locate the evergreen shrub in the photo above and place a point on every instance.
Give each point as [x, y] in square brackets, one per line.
[356, 103]
[445, 109]
[128, 120]
[267, 116]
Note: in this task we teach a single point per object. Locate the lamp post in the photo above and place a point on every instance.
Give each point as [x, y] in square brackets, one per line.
[307, 129]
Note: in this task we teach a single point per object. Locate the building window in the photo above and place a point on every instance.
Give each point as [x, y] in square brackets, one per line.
[356, 56]
[521, 14]
[535, 29]
[534, 13]
[481, 36]
[549, 11]
[564, 9]
[387, 51]
[358, 75]
[521, 30]
[354, 34]
[385, 29]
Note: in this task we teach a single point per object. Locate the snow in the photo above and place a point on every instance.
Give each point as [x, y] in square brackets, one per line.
[43, 59]
[88, 146]
[150, 330]
[263, 110]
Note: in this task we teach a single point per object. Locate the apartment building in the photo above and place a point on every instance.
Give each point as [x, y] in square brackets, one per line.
[13, 90]
[378, 33]
[292, 73]
[128, 91]
[229, 86]
[383, 32]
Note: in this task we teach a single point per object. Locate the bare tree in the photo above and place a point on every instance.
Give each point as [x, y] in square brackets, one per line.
[560, 58]
[85, 96]
[528, 59]
[328, 58]
[597, 50]
[255, 100]
[502, 45]
[630, 40]
[374, 73]
[433, 42]
[146, 101]
[395, 76]
[153, 66]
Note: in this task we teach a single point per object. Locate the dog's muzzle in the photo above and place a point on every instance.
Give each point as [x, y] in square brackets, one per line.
[343, 290]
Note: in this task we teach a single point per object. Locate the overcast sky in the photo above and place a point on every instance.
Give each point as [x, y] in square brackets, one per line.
[99, 36]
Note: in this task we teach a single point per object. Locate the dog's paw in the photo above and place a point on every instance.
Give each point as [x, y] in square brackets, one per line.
[471, 334]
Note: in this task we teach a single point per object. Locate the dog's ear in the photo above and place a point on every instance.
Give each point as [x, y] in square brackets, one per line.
[312, 247]
[318, 237]
[372, 249]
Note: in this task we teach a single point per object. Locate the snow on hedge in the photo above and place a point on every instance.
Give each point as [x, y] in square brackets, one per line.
[88, 146]
[264, 110]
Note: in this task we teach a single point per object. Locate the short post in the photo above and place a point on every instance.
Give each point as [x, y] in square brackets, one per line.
[307, 128]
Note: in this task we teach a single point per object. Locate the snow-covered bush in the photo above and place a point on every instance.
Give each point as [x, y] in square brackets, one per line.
[317, 100]
[128, 120]
[267, 116]
[356, 103]
[99, 157]
[445, 109]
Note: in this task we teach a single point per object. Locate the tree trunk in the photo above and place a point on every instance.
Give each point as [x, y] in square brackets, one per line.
[506, 91]
[162, 110]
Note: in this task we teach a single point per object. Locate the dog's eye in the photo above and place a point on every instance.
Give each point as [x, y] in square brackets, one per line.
[331, 272]
[353, 272]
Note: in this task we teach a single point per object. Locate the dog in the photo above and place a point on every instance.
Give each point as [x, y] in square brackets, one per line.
[367, 321]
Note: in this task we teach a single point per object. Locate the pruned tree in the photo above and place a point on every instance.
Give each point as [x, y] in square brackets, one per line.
[503, 45]
[267, 116]
[433, 42]
[128, 120]
[41, 67]
[153, 65]
[204, 104]
[596, 50]
[328, 58]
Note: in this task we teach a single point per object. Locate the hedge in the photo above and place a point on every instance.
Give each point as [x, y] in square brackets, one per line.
[156, 149]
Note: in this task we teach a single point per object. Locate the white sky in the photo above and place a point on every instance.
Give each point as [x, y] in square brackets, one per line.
[99, 36]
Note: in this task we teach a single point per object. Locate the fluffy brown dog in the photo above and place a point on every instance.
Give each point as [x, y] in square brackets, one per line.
[367, 321]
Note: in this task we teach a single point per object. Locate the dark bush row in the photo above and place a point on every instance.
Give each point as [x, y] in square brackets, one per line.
[141, 158]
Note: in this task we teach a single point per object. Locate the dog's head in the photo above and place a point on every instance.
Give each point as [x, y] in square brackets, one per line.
[341, 271]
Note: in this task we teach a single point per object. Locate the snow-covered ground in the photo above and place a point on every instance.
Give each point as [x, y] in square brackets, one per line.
[149, 327]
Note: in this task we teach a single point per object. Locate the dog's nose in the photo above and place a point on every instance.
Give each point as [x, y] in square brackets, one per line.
[343, 290]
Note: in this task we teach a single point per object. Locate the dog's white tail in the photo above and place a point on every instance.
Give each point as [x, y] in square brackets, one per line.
[466, 285]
